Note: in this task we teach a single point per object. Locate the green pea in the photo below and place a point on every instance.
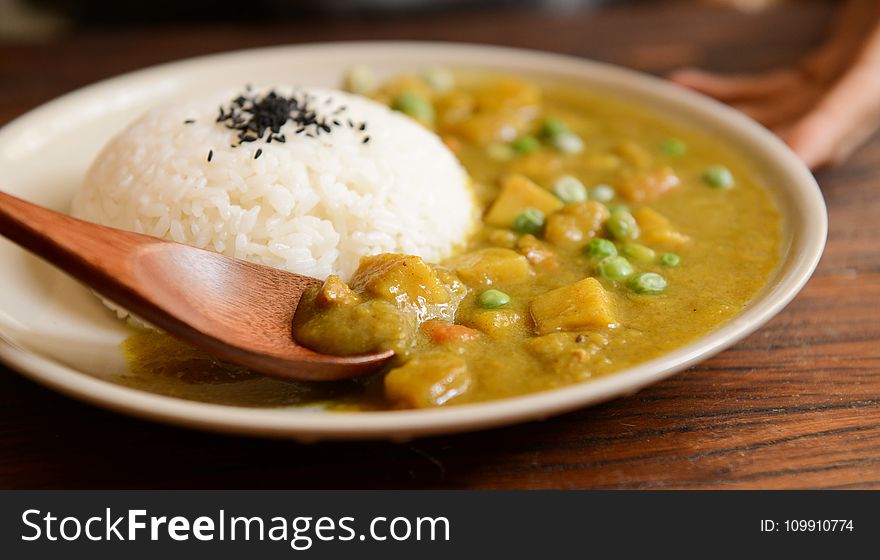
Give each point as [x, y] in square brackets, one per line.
[414, 105]
[569, 189]
[638, 253]
[615, 268]
[719, 177]
[601, 248]
[670, 259]
[568, 143]
[493, 299]
[673, 147]
[526, 144]
[617, 207]
[647, 283]
[622, 226]
[551, 127]
[530, 220]
[602, 193]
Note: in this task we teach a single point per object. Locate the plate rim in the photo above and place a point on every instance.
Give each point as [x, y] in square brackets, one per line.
[308, 426]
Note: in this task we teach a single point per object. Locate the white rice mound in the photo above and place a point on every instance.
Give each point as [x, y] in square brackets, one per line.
[314, 206]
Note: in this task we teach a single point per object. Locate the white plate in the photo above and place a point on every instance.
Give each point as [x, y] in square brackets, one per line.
[55, 332]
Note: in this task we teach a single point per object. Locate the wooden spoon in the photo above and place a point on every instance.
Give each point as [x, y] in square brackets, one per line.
[237, 311]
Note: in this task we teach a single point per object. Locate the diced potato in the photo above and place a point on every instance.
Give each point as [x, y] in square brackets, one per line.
[537, 252]
[551, 345]
[575, 224]
[335, 291]
[429, 379]
[567, 353]
[647, 186]
[634, 154]
[495, 322]
[454, 106]
[486, 128]
[492, 266]
[442, 332]
[540, 165]
[657, 229]
[507, 94]
[402, 279]
[583, 304]
[517, 194]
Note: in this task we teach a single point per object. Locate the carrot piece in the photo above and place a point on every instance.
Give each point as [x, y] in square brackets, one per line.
[441, 332]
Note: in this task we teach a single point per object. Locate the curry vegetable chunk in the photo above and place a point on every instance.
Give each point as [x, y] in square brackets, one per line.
[584, 304]
[492, 266]
[401, 278]
[518, 193]
[603, 244]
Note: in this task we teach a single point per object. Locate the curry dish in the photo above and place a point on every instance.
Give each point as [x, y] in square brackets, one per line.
[609, 236]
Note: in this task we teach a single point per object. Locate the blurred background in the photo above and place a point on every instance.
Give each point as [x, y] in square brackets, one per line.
[40, 20]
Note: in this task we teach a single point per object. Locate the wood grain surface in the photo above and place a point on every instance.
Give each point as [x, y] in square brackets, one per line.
[795, 405]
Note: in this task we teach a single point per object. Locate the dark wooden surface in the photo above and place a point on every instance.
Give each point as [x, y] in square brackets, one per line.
[795, 405]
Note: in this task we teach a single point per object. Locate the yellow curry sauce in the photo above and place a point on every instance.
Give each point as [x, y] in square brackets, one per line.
[559, 284]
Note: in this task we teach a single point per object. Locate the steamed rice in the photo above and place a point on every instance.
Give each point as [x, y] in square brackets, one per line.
[313, 206]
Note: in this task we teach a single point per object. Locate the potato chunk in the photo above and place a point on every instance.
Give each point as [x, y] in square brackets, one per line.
[634, 154]
[537, 252]
[583, 304]
[575, 224]
[647, 186]
[568, 353]
[485, 128]
[657, 229]
[491, 266]
[517, 194]
[540, 165]
[401, 279]
[507, 94]
[429, 379]
[335, 291]
[497, 323]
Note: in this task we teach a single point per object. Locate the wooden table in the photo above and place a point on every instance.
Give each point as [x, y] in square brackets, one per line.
[795, 405]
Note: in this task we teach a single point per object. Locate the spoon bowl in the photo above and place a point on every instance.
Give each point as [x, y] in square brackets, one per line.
[236, 310]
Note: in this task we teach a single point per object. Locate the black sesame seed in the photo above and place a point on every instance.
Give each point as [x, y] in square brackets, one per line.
[365, 140]
[210, 155]
[189, 121]
[259, 153]
[261, 116]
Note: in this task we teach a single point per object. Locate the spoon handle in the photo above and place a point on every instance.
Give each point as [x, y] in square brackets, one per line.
[96, 255]
[233, 309]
